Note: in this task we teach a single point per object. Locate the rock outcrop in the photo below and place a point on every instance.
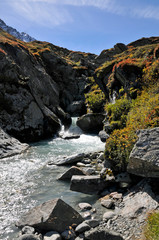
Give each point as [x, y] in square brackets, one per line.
[53, 215]
[144, 158]
[10, 146]
[38, 82]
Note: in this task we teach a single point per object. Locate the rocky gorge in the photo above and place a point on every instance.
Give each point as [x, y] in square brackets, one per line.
[42, 87]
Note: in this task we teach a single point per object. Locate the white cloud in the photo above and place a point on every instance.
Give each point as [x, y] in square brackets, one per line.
[147, 12]
[40, 12]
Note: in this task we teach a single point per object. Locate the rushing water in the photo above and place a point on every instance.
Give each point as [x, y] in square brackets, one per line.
[27, 180]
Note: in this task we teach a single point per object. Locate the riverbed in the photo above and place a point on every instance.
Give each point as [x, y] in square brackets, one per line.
[27, 180]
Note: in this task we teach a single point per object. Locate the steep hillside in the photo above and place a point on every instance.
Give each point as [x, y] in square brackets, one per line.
[38, 82]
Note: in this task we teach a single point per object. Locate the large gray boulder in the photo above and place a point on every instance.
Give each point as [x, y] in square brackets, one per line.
[91, 122]
[69, 160]
[53, 215]
[89, 184]
[144, 158]
[10, 146]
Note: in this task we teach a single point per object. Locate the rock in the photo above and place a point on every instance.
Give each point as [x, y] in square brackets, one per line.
[80, 164]
[108, 215]
[89, 171]
[144, 158]
[68, 136]
[92, 222]
[10, 146]
[80, 237]
[52, 236]
[120, 47]
[53, 215]
[91, 122]
[29, 237]
[28, 230]
[107, 203]
[123, 179]
[102, 233]
[116, 195]
[86, 215]
[68, 234]
[103, 136]
[82, 227]
[85, 206]
[101, 156]
[70, 172]
[76, 108]
[139, 202]
[88, 184]
[69, 160]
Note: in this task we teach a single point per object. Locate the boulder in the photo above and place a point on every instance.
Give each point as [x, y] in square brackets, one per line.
[92, 222]
[70, 172]
[52, 236]
[53, 215]
[69, 160]
[82, 227]
[10, 146]
[144, 158]
[85, 206]
[88, 184]
[91, 122]
[103, 136]
[102, 233]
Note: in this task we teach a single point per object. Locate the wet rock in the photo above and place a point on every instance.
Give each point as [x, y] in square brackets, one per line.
[91, 122]
[28, 230]
[69, 160]
[68, 234]
[144, 158]
[29, 237]
[88, 184]
[52, 236]
[53, 215]
[70, 172]
[85, 206]
[102, 233]
[70, 136]
[82, 227]
[10, 146]
[103, 136]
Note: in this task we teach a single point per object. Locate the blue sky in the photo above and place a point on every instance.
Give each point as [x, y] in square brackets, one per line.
[84, 25]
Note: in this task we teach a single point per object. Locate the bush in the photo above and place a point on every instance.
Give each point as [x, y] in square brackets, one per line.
[152, 227]
[95, 100]
[117, 112]
[119, 146]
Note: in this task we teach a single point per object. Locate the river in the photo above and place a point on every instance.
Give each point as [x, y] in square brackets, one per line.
[27, 180]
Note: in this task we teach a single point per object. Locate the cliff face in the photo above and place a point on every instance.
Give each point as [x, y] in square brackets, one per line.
[36, 80]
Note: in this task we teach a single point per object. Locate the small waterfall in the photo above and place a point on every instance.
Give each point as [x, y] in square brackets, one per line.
[113, 97]
[72, 131]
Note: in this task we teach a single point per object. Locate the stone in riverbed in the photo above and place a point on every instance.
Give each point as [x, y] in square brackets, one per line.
[68, 160]
[70, 172]
[103, 135]
[53, 215]
[85, 206]
[89, 184]
[10, 146]
[91, 122]
[107, 203]
[68, 234]
[82, 227]
[52, 236]
[28, 230]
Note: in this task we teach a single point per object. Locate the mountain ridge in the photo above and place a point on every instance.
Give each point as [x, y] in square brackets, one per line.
[22, 36]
